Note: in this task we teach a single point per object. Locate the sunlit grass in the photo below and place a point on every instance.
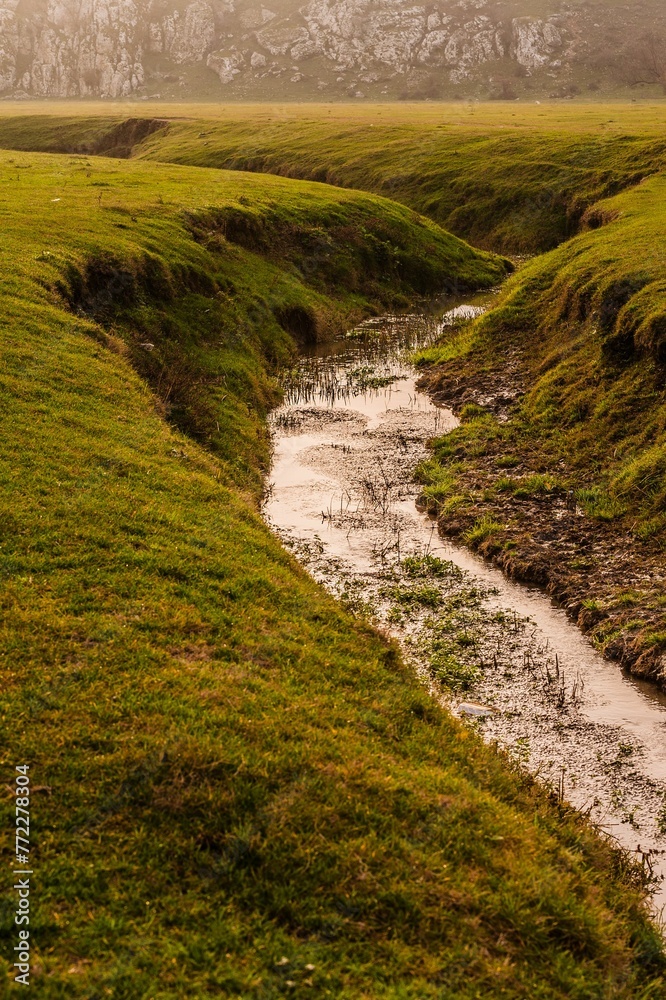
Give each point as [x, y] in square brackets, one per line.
[245, 793]
[516, 178]
[589, 322]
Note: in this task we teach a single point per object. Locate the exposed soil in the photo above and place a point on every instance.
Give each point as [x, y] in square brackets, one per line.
[608, 581]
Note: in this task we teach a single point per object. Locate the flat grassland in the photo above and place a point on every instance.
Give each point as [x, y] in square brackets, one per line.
[240, 790]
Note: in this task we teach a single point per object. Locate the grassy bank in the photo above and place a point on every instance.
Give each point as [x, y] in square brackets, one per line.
[548, 163]
[202, 278]
[581, 335]
[238, 789]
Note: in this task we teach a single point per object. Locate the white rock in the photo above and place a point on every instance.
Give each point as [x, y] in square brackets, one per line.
[193, 33]
[533, 43]
[280, 36]
[225, 64]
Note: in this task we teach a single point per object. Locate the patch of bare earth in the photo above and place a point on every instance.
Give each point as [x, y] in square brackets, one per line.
[611, 584]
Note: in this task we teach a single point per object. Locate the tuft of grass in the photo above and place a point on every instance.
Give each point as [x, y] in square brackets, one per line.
[598, 503]
[627, 599]
[439, 485]
[482, 529]
[428, 565]
[452, 674]
[424, 596]
[471, 412]
[655, 639]
[537, 485]
[508, 461]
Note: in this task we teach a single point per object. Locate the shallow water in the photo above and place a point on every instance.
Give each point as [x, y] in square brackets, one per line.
[346, 442]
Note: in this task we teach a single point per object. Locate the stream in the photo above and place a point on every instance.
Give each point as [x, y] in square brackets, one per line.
[346, 442]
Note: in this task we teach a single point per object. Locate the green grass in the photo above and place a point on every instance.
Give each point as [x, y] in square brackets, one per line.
[484, 528]
[529, 486]
[589, 322]
[218, 273]
[244, 792]
[550, 163]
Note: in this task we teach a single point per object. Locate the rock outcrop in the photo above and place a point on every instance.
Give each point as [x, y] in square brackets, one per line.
[204, 48]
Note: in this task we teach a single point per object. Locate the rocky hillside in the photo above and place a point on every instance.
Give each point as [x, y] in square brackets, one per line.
[212, 49]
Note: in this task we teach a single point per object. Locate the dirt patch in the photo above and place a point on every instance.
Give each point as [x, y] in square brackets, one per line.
[462, 383]
[609, 582]
[300, 322]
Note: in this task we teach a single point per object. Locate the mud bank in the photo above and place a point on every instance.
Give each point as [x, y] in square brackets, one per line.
[609, 582]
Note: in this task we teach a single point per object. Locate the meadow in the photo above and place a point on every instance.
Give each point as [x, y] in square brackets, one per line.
[577, 186]
[514, 178]
[239, 789]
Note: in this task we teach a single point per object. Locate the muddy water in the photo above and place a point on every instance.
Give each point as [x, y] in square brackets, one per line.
[347, 440]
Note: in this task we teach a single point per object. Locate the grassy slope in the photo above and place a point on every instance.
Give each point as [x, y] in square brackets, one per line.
[593, 313]
[519, 179]
[600, 350]
[588, 323]
[212, 310]
[236, 771]
[531, 200]
[549, 164]
[549, 167]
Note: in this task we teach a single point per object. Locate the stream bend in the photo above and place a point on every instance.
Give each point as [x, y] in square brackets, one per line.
[346, 442]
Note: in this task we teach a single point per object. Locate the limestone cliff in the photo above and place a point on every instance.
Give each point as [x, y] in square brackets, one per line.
[326, 48]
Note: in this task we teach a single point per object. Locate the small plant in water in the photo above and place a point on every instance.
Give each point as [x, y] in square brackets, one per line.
[452, 674]
[429, 565]
[395, 616]
[661, 818]
[483, 529]
[425, 596]
[366, 377]
[521, 749]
